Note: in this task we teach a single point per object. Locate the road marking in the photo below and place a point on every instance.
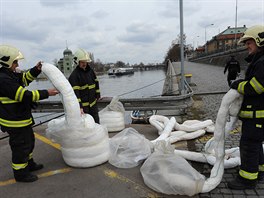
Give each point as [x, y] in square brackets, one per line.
[47, 141]
[54, 172]
[8, 182]
[46, 174]
[108, 172]
[144, 192]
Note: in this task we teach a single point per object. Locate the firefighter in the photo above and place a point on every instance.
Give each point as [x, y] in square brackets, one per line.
[233, 68]
[252, 111]
[15, 111]
[85, 84]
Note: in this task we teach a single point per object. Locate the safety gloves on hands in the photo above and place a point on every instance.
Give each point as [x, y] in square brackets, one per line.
[235, 83]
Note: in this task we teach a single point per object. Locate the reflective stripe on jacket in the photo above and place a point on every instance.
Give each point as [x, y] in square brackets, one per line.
[85, 85]
[15, 100]
[253, 89]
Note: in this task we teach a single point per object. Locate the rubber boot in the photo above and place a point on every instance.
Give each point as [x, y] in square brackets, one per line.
[241, 183]
[23, 175]
[33, 166]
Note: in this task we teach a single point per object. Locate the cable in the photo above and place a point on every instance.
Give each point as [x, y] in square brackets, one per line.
[4, 137]
[37, 124]
[143, 87]
[47, 120]
[45, 115]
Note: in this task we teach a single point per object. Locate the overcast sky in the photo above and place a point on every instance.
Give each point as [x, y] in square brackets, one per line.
[131, 31]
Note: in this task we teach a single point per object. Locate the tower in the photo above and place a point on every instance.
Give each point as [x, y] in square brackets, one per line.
[66, 64]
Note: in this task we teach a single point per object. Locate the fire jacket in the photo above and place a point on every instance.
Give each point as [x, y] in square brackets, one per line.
[253, 88]
[86, 86]
[232, 66]
[15, 100]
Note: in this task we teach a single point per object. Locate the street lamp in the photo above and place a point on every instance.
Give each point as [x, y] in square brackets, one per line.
[197, 42]
[236, 28]
[205, 36]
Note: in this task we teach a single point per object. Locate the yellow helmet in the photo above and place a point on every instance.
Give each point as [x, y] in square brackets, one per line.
[82, 55]
[8, 54]
[255, 32]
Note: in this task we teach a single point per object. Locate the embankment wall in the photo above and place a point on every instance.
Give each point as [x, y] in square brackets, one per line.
[221, 58]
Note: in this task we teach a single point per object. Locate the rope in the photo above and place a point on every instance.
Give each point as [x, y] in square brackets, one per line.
[44, 115]
[142, 87]
[4, 137]
[40, 123]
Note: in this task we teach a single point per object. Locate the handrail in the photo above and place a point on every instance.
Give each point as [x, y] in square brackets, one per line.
[147, 103]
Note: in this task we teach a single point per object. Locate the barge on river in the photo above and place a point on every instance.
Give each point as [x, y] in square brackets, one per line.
[120, 71]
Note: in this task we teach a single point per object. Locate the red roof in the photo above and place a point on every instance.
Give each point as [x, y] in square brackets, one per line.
[228, 36]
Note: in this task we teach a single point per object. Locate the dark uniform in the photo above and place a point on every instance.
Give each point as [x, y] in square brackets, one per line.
[86, 87]
[252, 116]
[233, 68]
[16, 118]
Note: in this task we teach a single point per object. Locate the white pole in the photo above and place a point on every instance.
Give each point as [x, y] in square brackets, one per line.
[205, 47]
[182, 47]
[236, 28]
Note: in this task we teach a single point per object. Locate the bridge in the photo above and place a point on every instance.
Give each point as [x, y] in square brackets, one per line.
[149, 67]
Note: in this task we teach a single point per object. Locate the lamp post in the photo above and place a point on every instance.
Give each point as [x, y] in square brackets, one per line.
[182, 47]
[236, 28]
[205, 45]
[197, 42]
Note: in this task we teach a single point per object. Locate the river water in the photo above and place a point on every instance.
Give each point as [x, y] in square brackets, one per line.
[140, 84]
[206, 78]
[137, 85]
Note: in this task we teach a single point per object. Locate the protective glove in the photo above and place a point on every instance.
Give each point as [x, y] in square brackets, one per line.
[235, 83]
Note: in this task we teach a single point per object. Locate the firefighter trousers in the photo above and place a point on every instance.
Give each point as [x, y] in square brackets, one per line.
[93, 111]
[251, 149]
[231, 76]
[21, 141]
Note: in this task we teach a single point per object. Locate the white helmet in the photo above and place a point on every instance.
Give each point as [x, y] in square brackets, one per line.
[255, 32]
[82, 55]
[8, 54]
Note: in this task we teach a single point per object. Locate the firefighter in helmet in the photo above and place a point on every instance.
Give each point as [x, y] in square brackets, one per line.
[252, 111]
[85, 84]
[15, 111]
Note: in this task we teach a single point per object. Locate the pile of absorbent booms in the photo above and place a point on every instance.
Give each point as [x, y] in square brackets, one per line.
[84, 143]
[165, 169]
[113, 116]
[84, 146]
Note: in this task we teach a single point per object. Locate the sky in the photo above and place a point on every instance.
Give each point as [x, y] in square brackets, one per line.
[131, 31]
